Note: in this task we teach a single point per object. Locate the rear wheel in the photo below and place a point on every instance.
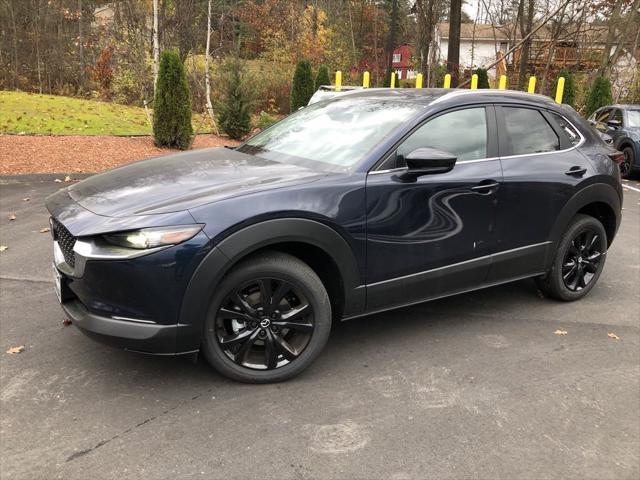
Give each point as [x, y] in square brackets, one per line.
[579, 260]
[626, 166]
[268, 321]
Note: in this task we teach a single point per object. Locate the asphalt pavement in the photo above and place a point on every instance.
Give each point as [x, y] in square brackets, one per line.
[477, 385]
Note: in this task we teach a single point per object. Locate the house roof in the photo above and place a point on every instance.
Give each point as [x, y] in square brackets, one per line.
[483, 31]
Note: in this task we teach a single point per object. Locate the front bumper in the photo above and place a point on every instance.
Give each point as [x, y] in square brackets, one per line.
[127, 334]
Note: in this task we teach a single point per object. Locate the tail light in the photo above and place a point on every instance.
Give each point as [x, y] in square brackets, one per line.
[617, 157]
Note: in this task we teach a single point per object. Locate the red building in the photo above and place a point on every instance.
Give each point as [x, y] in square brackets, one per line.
[403, 63]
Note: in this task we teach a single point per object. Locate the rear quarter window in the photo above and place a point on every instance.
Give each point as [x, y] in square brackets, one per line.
[528, 132]
[568, 129]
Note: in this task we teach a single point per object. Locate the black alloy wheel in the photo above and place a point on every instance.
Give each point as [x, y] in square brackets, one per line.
[578, 262]
[582, 260]
[269, 318]
[626, 165]
[264, 324]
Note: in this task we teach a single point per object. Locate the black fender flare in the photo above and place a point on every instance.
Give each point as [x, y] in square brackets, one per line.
[249, 239]
[597, 192]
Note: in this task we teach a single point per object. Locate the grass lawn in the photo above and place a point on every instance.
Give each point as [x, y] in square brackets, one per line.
[33, 114]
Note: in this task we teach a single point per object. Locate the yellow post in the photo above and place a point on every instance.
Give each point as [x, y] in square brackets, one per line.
[392, 80]
[338, 80]
[447, 81]
[365, 79]
[560, 90]
[532, 84]
[419, 80]
[474, 82]
[503, 82]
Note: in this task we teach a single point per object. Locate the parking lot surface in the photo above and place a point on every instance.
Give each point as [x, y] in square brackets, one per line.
[480, 385]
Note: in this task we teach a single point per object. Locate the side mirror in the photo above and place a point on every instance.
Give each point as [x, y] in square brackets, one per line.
[427, 161]
[614, 124]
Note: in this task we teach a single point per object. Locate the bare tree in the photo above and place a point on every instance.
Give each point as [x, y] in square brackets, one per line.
[620, 25]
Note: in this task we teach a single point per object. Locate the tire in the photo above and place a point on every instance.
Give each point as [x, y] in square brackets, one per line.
[251, 340]
[581, 252]
[626, 167]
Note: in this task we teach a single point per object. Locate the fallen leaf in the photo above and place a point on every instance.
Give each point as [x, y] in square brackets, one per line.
[13, 350]
[3, 248]
[45, 230]
[66, 322]
[613, 335]
[26, 199]
[68, 179]
[560, 332]
[12, 217]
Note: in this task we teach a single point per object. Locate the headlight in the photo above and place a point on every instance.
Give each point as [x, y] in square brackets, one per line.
[153, 237]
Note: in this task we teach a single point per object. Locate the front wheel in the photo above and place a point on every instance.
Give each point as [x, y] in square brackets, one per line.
[579, 260]
[268, 320]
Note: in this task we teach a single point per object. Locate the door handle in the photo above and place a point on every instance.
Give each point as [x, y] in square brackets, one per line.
[576, 171]
[486, 186]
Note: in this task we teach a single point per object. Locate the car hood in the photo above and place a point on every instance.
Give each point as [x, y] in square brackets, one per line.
[181, 181]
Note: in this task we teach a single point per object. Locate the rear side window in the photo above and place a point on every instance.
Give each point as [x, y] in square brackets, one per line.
[528, 132]
[461, 132]
[567, 128]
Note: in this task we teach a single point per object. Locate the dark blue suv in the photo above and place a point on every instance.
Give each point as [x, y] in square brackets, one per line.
[371, 201]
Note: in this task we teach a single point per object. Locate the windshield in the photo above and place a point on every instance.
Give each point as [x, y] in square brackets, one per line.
[633, 118]
[336, 134]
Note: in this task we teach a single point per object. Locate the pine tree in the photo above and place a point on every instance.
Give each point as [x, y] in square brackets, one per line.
[234, 106]
[302, 88]
[172, 105]
[323, 77]
[483, 78]
[569, 95]
[599, 95]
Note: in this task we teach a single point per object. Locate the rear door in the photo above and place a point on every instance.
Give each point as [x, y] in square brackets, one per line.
[434, 236]
[541, 168]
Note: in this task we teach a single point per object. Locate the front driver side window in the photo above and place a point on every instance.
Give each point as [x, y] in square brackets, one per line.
[461, 132]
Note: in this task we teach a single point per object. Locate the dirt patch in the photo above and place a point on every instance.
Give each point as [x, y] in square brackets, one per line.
[82, 154]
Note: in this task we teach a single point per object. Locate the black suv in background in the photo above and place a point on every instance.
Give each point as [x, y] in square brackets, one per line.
[622, 124]
[369, 201]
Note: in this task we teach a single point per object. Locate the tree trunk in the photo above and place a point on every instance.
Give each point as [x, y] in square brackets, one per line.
[156, 46]
[80, 46]
[15, 46]
[353, 38]
[453, 48]
[391, 42]
[207, 79]
[525, 28]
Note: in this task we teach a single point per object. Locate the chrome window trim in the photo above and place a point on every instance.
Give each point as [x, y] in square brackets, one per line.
[484, 257]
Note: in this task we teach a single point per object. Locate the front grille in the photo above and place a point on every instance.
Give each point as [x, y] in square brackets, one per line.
[66, 241]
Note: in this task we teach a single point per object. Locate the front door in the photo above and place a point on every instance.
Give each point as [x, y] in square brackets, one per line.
[434, 236]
